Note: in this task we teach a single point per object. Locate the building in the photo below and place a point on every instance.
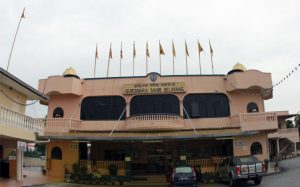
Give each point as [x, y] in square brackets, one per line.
[16, 129]
[146, 124]
[284, 142]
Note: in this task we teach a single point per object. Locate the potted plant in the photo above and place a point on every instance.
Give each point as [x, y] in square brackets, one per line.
[266, 161]
[43, 170]
[67, 173]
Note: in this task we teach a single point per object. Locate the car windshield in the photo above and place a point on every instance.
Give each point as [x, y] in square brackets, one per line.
[183, 170]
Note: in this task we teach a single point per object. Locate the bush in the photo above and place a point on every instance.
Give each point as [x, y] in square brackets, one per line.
[76, 168]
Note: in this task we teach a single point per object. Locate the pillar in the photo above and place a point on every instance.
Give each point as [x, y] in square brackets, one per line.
[19, 165]
[277, 143]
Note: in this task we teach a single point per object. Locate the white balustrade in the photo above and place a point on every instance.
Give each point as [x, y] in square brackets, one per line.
[16, 119]
[159, 122]
[255, 121]
[62, 125]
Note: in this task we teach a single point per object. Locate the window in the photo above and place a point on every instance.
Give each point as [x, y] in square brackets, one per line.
[58, 112]
[256, 148]
[103, 108]
[56, 153]
[252, 107]
[206, 106]
[154, 104]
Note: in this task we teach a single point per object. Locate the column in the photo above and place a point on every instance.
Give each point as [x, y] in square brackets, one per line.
[19, 165]
[295, 146]
[277, 142]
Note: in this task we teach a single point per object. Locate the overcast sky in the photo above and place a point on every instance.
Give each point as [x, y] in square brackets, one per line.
[58, 34]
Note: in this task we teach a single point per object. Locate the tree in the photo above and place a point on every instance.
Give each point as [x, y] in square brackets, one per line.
[289, 124]
[297, 120]
[40, 148]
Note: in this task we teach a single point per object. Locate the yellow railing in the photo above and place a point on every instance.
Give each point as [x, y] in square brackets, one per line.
[102, 166]
[16, 119]
[209, 165]
[158, 122]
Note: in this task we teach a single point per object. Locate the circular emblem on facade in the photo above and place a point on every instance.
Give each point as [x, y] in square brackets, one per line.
[153, 77]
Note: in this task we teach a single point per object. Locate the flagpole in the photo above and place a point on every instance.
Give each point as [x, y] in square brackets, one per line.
[108, 66]
[121, 56]
[200, 64]
[159, 58]
[187, 70]
[146, 64]
[12, 47]
[95, 60]
[212, 64]
[211, 58]
[109, 56]
[173, 65]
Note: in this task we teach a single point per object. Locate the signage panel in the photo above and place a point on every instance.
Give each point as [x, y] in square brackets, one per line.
[154, 88]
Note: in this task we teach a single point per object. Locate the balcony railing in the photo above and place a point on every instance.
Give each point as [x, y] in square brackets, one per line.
[61, 125]
[255, 121]
[19, 120]
[157, 122]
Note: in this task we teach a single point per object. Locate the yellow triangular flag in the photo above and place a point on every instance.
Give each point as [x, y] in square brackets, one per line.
[121, 52]
[161, 50]
[23, 14]
[200, 48]
[211, 50]
[147, 50]
[134, 52]
[186, 50]
[110, 52]
[173, 49]
[96, 53]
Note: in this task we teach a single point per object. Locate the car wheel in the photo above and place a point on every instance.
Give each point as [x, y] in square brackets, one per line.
[232, 182]
[257, 180]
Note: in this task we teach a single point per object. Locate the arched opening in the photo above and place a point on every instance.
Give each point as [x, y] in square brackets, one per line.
[56, 153]
[206, 105]
[103, 108]
[252, 107]
[256, 148]
[154, 104]
[58, 112]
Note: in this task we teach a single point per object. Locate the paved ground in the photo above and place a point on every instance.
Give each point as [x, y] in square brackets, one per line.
[289, 177]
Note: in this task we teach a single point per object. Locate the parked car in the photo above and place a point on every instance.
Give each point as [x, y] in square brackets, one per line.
[241, 168]
[183, 176]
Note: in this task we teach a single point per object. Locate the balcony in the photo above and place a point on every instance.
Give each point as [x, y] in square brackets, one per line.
[61, 125]
[13, 121]
[290, 133]
[164, 122]
[255, 121]
[154, 122]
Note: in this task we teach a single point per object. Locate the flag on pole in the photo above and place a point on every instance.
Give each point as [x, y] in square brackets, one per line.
[121, 52]
[211, 57]
[200, 48]
[134, 52]
[23, 14]
[211, 50]
[147, 50]
[186, 50]
[96, 53]
[173, 49]
[161, 50]
[110, 52]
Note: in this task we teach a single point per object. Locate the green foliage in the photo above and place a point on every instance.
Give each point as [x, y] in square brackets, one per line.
[76, 168]
[289, 124]
[40, 148]
[297, 120]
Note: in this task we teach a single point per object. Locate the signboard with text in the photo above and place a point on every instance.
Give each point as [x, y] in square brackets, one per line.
[154, 88]
[22, 145]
